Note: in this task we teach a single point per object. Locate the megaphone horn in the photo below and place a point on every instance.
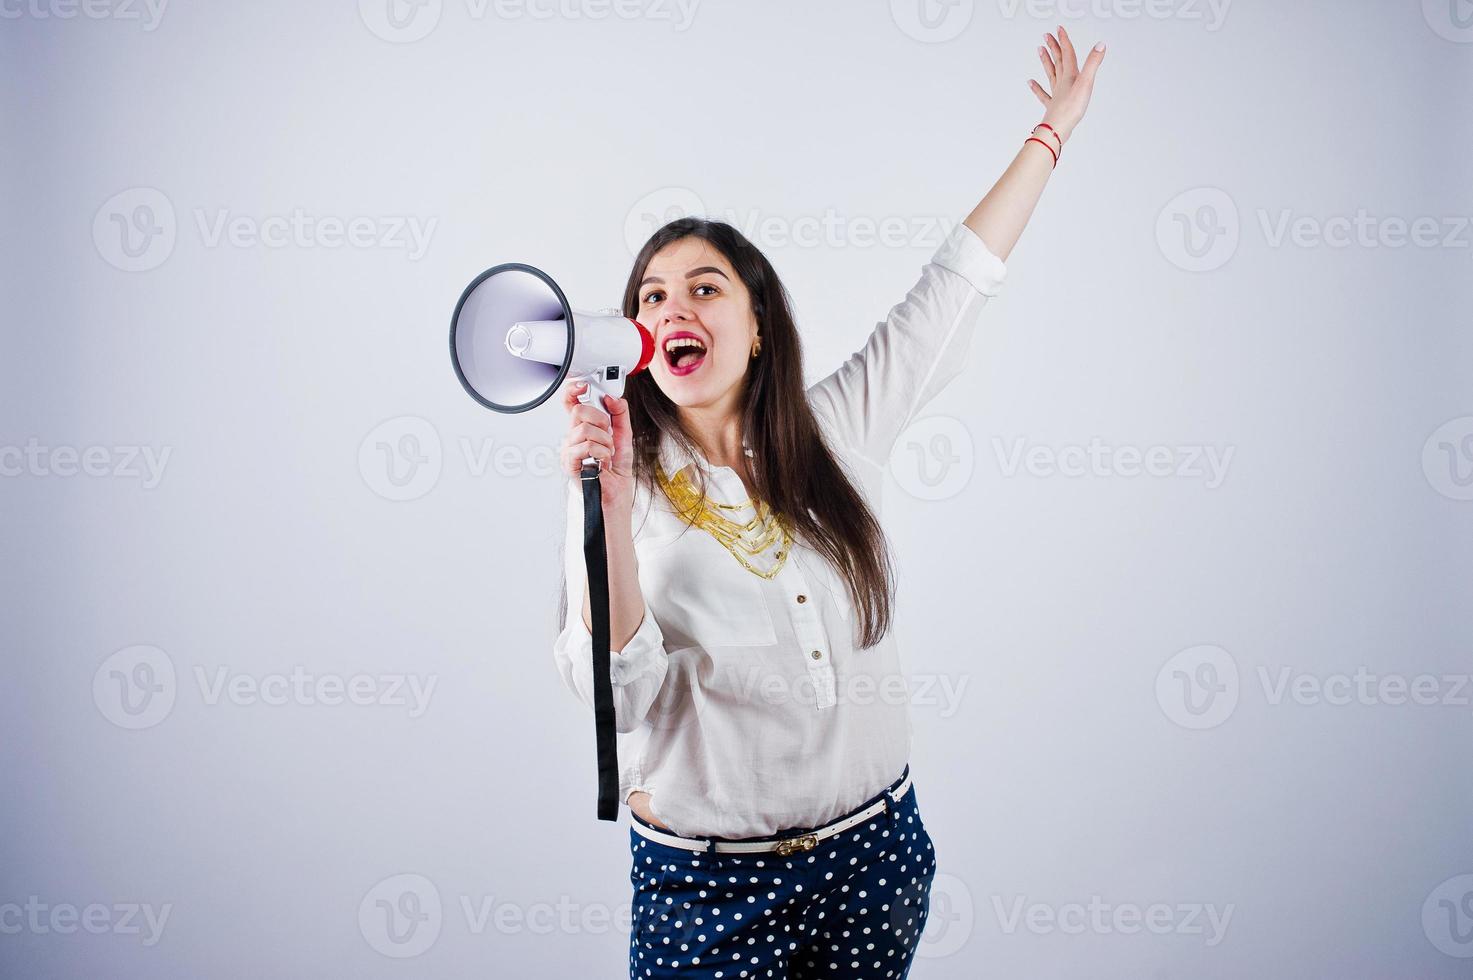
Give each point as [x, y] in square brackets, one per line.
[514, 340]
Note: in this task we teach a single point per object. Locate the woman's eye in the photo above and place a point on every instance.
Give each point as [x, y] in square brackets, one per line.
[707, 286]
[651, 297]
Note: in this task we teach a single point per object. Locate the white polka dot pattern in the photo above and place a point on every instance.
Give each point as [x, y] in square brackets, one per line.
[853, 908]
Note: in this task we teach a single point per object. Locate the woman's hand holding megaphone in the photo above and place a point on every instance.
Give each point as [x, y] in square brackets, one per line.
[605, 437]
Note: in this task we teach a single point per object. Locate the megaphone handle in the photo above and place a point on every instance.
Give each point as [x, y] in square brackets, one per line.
[593, 395]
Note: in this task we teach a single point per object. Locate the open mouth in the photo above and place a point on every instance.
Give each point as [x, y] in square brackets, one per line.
[684, 353]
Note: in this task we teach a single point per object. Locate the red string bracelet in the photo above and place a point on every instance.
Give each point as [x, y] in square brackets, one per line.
[1051, 129]
[1035, 139]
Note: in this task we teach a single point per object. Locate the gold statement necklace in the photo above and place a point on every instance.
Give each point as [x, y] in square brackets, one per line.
[745, 541]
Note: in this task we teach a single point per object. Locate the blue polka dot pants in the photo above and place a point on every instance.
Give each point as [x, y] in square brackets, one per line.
[853, 907]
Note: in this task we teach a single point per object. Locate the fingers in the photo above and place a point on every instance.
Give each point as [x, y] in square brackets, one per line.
[576, 453]
[1071, 60]
[581, 411]
[571, 391]
[1092, 65]
[599, 434]
[1038, 91]
[622, 430]
[616, 406]
[591, 432]
[1055, 50]
[1048, 63]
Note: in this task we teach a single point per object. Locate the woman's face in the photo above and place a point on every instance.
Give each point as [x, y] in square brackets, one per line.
[690, 291]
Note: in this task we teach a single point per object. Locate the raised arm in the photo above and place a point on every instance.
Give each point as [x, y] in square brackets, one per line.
[1001, 215]
[921, 345]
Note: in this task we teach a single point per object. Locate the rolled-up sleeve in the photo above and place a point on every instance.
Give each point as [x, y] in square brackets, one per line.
[919, 348]
[637, 671]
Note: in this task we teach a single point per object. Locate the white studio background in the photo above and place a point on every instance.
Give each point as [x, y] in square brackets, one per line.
[1185, 554]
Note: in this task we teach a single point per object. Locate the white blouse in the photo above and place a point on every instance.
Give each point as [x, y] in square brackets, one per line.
[744, 705]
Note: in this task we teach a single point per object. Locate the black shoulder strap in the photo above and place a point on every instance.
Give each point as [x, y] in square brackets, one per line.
[595, 556]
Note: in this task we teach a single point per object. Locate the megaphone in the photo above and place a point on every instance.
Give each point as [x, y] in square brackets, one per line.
[514, 340]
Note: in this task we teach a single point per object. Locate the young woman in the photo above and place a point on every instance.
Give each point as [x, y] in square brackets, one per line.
[763, 711]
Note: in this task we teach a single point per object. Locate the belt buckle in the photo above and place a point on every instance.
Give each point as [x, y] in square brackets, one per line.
[806, 842]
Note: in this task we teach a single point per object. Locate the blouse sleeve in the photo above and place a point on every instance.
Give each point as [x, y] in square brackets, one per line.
[637, 671]
[918, 349]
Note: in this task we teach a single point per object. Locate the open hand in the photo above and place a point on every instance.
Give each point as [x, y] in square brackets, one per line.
[1071, 85]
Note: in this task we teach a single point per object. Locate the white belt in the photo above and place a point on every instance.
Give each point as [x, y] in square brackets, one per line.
[786, 845]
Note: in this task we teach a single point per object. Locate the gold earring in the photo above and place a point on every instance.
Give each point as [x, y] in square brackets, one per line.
[757, 346]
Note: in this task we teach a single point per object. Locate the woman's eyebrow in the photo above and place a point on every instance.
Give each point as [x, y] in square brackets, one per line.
[689, 275]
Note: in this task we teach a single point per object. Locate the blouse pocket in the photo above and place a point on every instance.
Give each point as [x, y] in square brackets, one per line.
[707, 598]
[824, 579]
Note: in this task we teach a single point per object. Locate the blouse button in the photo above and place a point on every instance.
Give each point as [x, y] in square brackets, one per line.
[817, 654]
[802, 598]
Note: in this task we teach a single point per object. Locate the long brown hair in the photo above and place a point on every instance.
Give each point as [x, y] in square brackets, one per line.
[793, 468]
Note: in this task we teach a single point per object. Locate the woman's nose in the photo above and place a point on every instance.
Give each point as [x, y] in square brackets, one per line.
[674, 312]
